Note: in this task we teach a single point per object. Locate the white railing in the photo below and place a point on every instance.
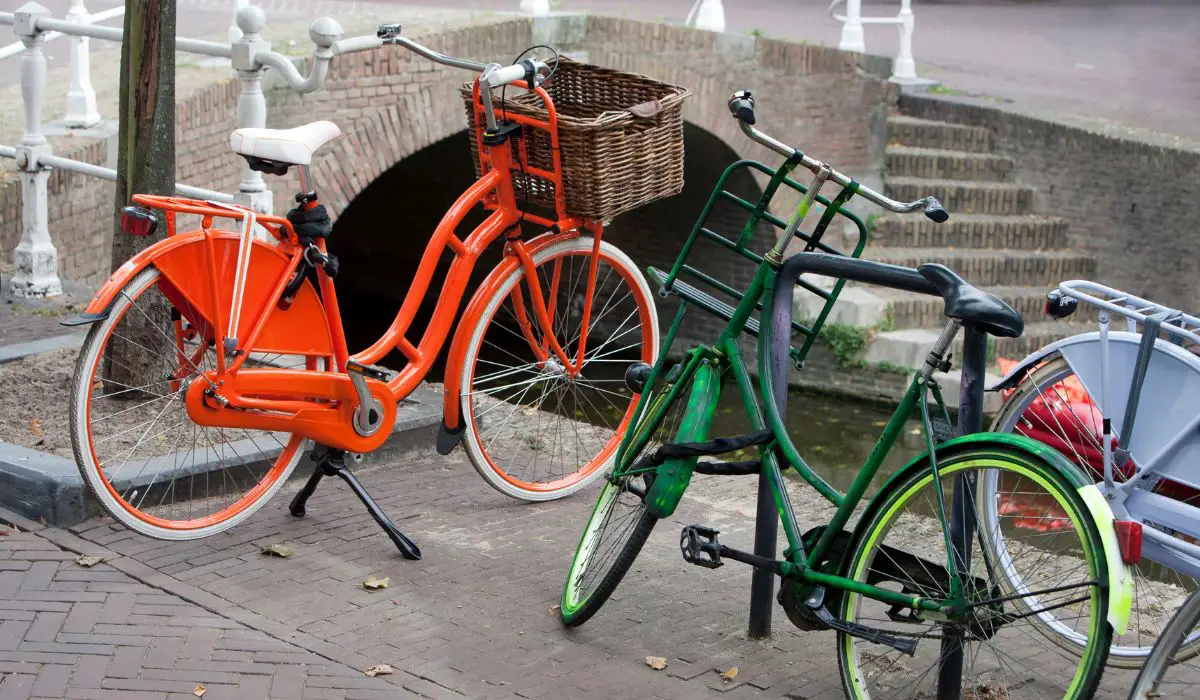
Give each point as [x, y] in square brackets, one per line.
[904, 69]
[708, 15]
[35, 258]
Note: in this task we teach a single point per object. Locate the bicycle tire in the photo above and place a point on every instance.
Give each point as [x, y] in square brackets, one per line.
[993, 633]
[579, 605]
[1150, 592]
[1166, 653]
[517, 457]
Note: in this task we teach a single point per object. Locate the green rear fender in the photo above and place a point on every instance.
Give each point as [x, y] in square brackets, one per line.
[1120, 579]
[672, 477]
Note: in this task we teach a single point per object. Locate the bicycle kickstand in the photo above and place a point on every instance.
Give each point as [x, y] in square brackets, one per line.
[333, 462]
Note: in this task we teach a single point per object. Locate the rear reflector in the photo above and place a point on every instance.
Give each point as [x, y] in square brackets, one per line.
[1129, 539]
[138, 221]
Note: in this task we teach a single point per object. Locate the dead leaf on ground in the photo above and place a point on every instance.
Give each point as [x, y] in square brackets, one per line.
[379, 670]
[200, 690]
[554, 609]
[35, 426]
[87, 560]
[277, 550]
[375, 583]
[730, 674]
[657, 663]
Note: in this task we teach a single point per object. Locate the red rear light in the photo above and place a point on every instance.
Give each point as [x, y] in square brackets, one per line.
[1129, 539]
[138, 221]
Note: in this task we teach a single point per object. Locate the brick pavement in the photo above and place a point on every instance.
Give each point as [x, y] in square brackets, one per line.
[473, 618]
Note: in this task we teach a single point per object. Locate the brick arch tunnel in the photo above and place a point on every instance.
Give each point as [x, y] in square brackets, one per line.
[382, 233]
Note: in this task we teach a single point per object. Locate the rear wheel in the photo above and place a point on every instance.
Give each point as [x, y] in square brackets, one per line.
[986, 643]
[1171, 670]
[534, 430]
[149, 465]
[1052, 406]
[620, 523]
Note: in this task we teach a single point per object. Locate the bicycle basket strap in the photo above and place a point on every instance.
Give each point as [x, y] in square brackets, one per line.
[646, 110]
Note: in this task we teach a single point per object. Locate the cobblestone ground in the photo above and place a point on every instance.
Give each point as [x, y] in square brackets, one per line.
[474, 618]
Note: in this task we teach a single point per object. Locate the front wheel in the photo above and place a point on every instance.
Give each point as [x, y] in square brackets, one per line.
[986, 642]
[620, 523]
[534, 429]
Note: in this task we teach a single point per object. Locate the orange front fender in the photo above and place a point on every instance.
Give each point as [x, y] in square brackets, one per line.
[452, 424]
[302, 329]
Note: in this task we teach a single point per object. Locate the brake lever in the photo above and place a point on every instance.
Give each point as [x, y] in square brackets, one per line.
[388, 31]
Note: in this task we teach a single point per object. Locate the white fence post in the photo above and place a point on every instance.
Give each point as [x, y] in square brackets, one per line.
[81, 98]
[235, 32]
[708, 15]
[252, 105]
[852, 29]
[537, 8]
[905, 68]
[35, 259]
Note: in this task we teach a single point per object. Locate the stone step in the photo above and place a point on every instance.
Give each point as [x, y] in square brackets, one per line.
[1030, 232]
[936, 163]
[965, 196]
[908, 347]
[912, 310]
[923, 133]
[998, 267]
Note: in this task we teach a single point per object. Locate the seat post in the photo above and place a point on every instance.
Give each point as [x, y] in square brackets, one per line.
[306, 187]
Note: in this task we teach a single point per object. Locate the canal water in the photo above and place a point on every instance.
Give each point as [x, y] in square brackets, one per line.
[834, 435]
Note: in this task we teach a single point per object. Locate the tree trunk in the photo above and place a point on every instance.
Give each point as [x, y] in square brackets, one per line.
[145, 165]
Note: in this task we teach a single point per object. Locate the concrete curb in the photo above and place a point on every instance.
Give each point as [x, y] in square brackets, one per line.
[47, 488]
[16, 351]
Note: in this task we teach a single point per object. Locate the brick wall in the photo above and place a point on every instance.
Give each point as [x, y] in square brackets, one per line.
[1133, 205]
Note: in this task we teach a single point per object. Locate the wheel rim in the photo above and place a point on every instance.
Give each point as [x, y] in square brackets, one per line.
[537, 428]
[134, 438]
[1014, 660]
[1061, 414]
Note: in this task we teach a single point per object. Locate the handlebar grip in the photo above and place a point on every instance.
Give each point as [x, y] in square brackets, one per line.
[934, 210]
[506, 75]
[741, 106]
[388, 31]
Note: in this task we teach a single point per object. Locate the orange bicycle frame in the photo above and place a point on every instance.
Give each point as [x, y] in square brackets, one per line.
[197, 267]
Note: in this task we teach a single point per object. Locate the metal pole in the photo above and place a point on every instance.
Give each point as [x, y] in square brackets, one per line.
[962, 504]
[81, 98]
[852, 29]
[762, 581]
[35, 259]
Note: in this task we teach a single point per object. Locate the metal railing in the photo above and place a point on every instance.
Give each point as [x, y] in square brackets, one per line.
[35, 258]
[904, 69]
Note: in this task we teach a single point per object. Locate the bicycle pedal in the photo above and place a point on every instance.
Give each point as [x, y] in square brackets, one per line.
[371, 371]
[700, 546]
[816, 606]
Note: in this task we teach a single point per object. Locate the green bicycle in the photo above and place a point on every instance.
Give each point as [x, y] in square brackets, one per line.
[913, 587]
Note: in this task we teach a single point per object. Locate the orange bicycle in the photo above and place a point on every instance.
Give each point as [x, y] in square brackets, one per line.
[216, 358]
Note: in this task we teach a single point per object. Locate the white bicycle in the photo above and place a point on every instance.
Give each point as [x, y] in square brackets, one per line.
[1125, 406]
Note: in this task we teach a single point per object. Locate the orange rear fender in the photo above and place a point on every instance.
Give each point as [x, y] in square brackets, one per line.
[303, 329]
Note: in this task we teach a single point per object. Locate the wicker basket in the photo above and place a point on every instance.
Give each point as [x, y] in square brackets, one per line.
[620, 134]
